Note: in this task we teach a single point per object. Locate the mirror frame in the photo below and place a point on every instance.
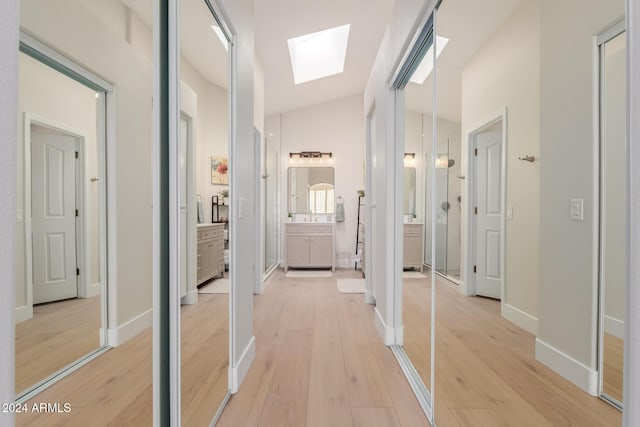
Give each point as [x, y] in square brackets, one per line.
[308, 209]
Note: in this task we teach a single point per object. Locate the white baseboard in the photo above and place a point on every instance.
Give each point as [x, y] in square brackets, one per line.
[614, 326]
[94, 290]
[24, 312]
[520, 318]
[126, 331]
[190, 298]
[239, 371]
[368, 297]
[569, 368]
[387, 333]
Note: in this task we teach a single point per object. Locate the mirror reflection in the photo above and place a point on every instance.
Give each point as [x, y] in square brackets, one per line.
[58, 289]
[613, 220]
[409, 193]
[311, 190]
[203, 178]
[416, 283]
[85, 271]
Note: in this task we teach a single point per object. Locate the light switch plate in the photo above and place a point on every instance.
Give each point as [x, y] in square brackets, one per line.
[577, 209]
[509, 212]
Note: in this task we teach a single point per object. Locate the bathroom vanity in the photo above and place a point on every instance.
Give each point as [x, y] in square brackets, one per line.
[309, 244]
[413, 248]
[210, 251]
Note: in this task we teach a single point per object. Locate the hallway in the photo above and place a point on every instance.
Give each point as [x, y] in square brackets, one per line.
[320, 362]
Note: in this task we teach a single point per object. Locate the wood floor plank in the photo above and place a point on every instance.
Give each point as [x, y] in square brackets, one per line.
[286, 404]
[329, 403]
[62, 331]
[375, 417]
[245, 407]
[365, 381]
[613, 362]
[405, 402]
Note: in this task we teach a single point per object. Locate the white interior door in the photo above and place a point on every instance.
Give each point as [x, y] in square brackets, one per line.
[489, 213]
[53, 222]
[183, 151]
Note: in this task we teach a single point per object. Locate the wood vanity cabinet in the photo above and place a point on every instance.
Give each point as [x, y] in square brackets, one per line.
[413, 248]
[309, 245]
[210, 251]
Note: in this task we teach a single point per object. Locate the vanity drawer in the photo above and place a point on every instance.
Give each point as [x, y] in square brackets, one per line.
[413, 228]
[309, 229]
[206, 233]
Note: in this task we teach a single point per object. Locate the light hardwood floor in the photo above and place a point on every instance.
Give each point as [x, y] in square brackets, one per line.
[115, 389]
[613, 357]
[320, 362]
[58, 334]
[486, 372]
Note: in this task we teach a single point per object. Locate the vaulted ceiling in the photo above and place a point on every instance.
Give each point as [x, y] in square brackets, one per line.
[279, 20]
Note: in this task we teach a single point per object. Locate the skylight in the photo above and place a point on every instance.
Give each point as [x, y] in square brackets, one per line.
[221, 36]
[426, 66]
[318, 55]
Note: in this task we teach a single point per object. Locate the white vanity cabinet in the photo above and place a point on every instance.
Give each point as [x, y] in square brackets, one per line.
[413, 248]
[309, 245]
[210, 251]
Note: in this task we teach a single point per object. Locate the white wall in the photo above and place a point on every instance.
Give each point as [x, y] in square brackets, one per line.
[505, 72]
[568, 249]
[245, 271]
[50, 95]
[406, 19]
[212, 133]
[331, 127]
[8, 134]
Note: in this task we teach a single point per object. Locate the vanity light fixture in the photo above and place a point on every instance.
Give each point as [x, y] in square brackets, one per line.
[306, 157]
[409, 159]
[442, 161]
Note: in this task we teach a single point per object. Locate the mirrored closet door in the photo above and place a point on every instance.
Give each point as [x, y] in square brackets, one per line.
[203, 188]
[414, 92]
[84, 261]
[613, 220]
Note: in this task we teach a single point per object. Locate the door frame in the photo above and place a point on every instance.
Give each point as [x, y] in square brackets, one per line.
[82, 256]
[469, 226]
[369, 208]
[189, 112]
[599, 195]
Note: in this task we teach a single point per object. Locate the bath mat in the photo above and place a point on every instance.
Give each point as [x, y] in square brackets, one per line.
[218, 286]
[308, 273]
[413, 275]
[350, 286]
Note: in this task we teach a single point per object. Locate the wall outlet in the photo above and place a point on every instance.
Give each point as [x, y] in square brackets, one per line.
[577, 209]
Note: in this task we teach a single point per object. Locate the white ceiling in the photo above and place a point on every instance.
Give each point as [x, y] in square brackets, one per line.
[199, 44]
[467, 24]
[279, 20]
